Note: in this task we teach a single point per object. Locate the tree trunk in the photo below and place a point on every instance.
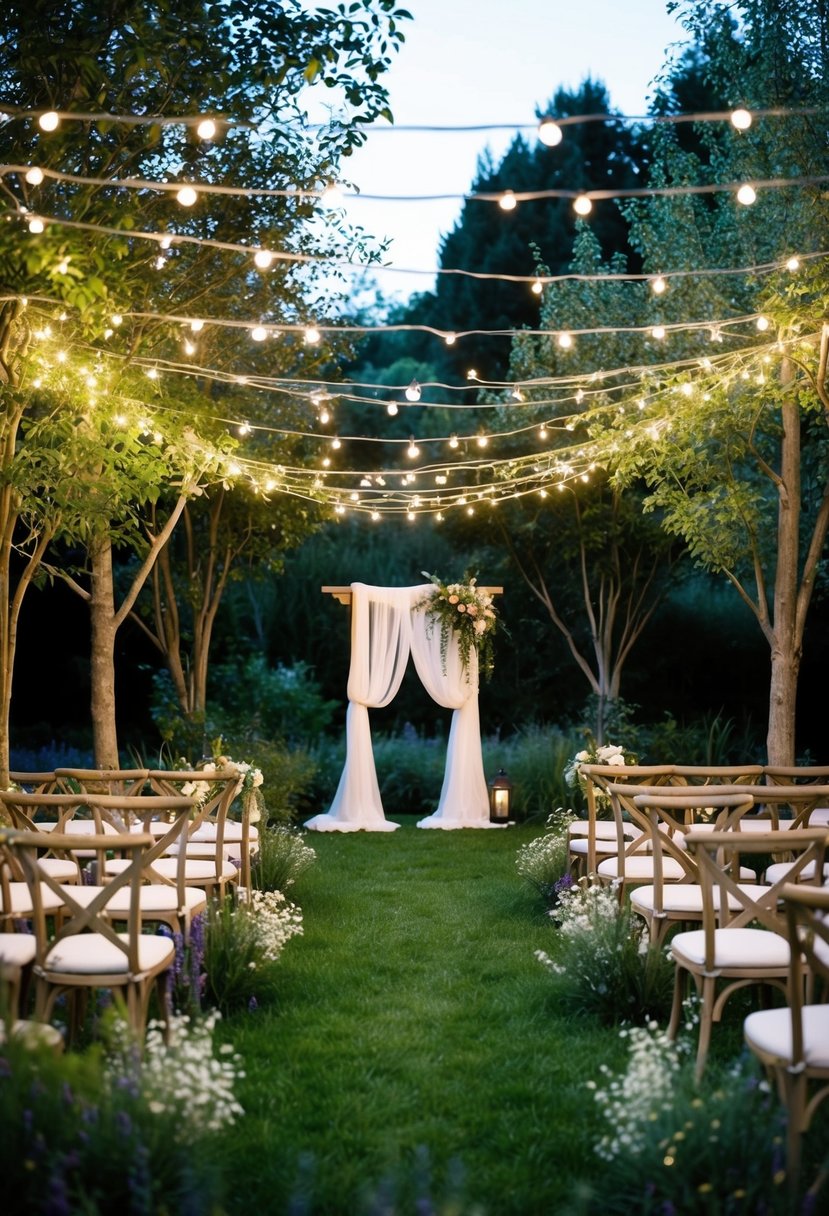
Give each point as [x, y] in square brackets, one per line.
[787, 636]
[102, 654]
[780, 742]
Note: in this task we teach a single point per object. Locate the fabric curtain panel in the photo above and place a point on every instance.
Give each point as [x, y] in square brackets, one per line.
[385, 629]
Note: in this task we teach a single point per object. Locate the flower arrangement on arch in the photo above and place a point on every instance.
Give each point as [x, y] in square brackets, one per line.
[464, 611]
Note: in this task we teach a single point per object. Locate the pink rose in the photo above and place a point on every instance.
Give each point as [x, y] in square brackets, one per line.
[453, 599]
[472, 610]
[461, 607]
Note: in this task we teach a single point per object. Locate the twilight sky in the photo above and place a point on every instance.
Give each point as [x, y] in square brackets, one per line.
[489, 61]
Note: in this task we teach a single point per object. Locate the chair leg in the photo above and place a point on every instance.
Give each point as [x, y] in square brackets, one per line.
[705, 1024]
[676, 1007]
[793, 1086]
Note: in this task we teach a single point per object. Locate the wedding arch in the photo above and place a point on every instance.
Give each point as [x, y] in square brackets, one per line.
[388, 625]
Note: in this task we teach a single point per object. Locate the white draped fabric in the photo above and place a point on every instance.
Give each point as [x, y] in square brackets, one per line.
[385, 629]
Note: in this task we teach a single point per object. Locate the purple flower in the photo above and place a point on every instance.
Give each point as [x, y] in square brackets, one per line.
[253, 1005]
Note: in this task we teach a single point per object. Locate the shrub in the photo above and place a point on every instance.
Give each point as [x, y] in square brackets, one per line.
[243, 940]
[543, 861]
[83, 1135]
[283, 855]
[603, 958]
[673, 1146]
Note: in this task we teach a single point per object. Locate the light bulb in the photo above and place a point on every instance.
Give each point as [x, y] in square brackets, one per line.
[746, 195]
[152, 373]
[160, 262]
[410, 515]
[741, 119]
[189, 347]
[391, 409]
[793, 264]
[186, 196]
[324, 416]
[165, 242]
[116, 319]
[412, 451]
[472, 374]
[375, 515]
[34, 176]
[259, 333]
[453, 441]
[262, 259]
[48, 121]
[582, 205]
[658, 332]
[332, 195]
[762, 324]
[565, 340]
[482, 441]
[206, 128]
[335, 443]
[312, 335]
[413, 391]
[508, 201]
[550, 133]
[196, 325]
[36, 225]
[450, 339]
[658, 285]
[243, 428]
[537, 287]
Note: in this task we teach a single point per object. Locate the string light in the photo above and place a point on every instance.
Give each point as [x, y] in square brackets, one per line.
[36, 225]
[565, 340]
[413, 391]
[450, 339]
[550, 133]
[49, 121]
[537, 287]
[582, 205]
[740, 119]
[206, 129]
[186, 196]
[793, 264]
[658, 332]
[312, 335]
[391, 409]
[746, 195]
[259, 333]
[412, 451]
[34, 176]
[658, 286]
[508, 201]
[196, 325]
[262, 259]
[762, 323]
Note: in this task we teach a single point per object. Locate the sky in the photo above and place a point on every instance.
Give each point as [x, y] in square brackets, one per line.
[488, 62]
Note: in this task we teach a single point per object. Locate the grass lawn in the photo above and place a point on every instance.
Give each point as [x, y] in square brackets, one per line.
[415, 1032]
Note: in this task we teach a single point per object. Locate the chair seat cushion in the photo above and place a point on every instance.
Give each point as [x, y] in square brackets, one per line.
[233, 831]
[21, 901]
[770, 1031]
[60, 870]
[153, 897]
[603, 829]
[606, 847]
[778, 871]
[194, 871]
[687, 897]
[17, 949]
[92, 954]
[743, 948]
[640, 867]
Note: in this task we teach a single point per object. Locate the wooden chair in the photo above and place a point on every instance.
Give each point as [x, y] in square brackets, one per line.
[730, 952]
[793, 1043]
[666, 818]
[84, 952]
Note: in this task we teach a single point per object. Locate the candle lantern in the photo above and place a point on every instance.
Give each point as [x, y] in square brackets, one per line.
[500, 798]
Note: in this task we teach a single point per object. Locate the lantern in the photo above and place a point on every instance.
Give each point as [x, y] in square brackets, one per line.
[500, 797]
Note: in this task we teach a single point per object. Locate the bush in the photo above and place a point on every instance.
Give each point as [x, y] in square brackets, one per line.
[279, 702]
[603, 959]
[243, 941]
[81, 1134]
[544, 861]
[283, 855]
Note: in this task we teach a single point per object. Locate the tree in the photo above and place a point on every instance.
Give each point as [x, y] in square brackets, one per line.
[164, 62]
[733, 445]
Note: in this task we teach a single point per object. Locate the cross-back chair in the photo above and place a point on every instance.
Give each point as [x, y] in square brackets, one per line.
[82, 951]
[743, 940]
[793, 1043]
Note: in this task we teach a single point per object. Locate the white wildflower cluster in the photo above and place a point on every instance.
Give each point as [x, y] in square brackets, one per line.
[585, 909]
[633, 1101]
[184, 1078]
[544, 860]
[606, 753]
[277, 921]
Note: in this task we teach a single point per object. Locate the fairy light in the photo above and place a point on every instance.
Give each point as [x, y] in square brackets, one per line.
[165, 242]
[542, 432]
[49, 121]
[450, 339]
[537, 287]
[325, 417]
[312, 335]
[36, 225]
[152, 373]
[34, 176]
[472, 374]
[244, 428]
[336, 443]
[160, 262]
[412, 451]
[262, 259]
[259, 333]
[196, 326]
[508, 201]
[565, 340]
[746, 195]
[413, 391]
[453, 441]
[332, 195]
[658, 285]
[658, 332]
[410, 515]
[189, 347]
[375, 515]
[206, 129]
[582, 205]
[550, 133]
[391, 409]
[482, 441]
[741, 120]
[186, 196]
[61, 356]
[762, 323]
[116, 319]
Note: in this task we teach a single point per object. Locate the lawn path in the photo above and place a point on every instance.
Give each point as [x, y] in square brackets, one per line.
[413, 1024]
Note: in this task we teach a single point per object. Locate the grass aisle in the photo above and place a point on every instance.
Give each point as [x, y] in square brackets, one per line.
[413, 1025]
